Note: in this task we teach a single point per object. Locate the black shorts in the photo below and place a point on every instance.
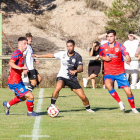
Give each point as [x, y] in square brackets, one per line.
[32, 74]
[93, 69]
[73, 84]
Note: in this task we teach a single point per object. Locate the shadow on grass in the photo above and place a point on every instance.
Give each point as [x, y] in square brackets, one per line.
[49, 97]
[104, 108]
[128, 111]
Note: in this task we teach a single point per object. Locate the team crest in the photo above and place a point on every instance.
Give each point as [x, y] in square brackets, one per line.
[73, 60]
[106, 49]
[21, 89]
[116, 49]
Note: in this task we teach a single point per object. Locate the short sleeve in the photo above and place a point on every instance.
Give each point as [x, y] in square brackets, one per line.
[16, 55]
[101, 51]
[58, 55]
[124, 51]
[79, 61]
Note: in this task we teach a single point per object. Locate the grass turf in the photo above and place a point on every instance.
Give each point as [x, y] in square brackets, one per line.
[73, 122]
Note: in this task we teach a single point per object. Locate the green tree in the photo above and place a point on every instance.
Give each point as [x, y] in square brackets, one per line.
[123, 17]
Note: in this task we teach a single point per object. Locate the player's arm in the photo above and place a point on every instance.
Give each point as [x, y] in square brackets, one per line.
[137, 37]
[100, 37]
[49, 55]
[13, 65]
[128, 59]
[79, 69]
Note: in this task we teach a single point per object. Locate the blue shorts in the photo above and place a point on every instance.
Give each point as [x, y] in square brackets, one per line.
[19, 89]
[121, 79]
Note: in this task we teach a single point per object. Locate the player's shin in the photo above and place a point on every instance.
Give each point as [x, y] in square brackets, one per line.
[131, 101]
[14, 101]
[30, 105]
[114, 94]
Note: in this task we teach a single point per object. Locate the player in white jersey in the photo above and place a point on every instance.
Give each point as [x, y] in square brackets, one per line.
[32, 73]
[131, 46]
[71, 64]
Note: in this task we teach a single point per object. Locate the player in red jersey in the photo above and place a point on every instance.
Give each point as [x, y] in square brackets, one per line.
[15, 82]
[112, 53]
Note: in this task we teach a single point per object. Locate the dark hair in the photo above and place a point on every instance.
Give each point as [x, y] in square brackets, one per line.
[111, 31]
[22, 38]
[28, 35]
[97, 43]
[71, 41]
[131, 32]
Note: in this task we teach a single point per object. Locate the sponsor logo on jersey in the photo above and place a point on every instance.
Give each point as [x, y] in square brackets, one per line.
[112, 55]
[73, 60]
[34, 76]
[21, 89]
[64, 56]
[116, 49]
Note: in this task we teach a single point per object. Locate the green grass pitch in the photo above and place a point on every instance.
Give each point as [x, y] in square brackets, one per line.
[73, 122]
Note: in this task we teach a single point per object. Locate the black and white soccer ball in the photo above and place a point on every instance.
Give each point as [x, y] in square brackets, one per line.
[53, 111]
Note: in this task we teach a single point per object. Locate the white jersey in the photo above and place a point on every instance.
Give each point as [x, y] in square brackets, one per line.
[68, 63]
[103, 41]
[28, 57]
[131, 47]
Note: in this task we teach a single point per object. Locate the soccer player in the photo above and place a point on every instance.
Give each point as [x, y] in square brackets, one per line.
[71, 64]
[15, 82]
[112, 54]
[33, 75]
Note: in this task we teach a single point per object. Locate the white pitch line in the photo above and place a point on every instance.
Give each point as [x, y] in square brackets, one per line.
[35, 132]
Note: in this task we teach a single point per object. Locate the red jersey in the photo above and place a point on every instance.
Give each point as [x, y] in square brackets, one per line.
[116, 65]
[15, 74]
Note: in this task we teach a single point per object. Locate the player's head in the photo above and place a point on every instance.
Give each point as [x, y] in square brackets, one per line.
[111, 36]
[131, 38]
[22, 43]
[70, 46]
[29, 37]
[97, 46]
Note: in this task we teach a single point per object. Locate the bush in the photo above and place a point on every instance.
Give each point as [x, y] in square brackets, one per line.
[122, 17]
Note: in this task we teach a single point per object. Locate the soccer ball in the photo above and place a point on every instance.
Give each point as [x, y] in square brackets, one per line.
[53, 111]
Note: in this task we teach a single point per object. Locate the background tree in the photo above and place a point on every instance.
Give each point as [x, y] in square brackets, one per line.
[123, 17]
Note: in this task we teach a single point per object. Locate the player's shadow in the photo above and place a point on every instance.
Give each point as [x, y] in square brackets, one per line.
[128, 111]
[49, 97]
[104, 108]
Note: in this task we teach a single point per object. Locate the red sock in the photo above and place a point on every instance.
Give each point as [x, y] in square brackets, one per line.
[30, 105]
[14, 101]
[114, 94]
[131, 101]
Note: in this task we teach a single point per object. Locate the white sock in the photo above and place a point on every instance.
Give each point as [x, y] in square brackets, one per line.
[8, 105]
[29, 112]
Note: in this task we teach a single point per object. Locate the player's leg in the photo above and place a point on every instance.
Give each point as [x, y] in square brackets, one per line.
[109, 82]
[32, 77]
[39, 79]
[134, 74]
[93, 83]
[59, 85]
[84, 99]
[130, 97]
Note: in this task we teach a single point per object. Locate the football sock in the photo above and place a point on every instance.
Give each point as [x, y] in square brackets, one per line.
[53, 101]
[30, 88]
[131, 101]
[14, 101]
[87, 107]
[114, 94]
[30, 105]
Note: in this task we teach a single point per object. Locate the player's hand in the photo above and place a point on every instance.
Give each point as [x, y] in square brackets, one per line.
[94, 44]
[24, 68]
[127, 62]
[107, 58]
[25, 72]
[72, 72]
[96, 58]
[34, 55]
[37, 62]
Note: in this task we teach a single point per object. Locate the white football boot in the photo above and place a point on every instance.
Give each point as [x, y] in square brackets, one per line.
[122, 107]
[90, 110]
[134, 110]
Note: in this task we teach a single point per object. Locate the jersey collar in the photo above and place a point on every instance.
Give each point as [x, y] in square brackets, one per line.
[114, 44]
